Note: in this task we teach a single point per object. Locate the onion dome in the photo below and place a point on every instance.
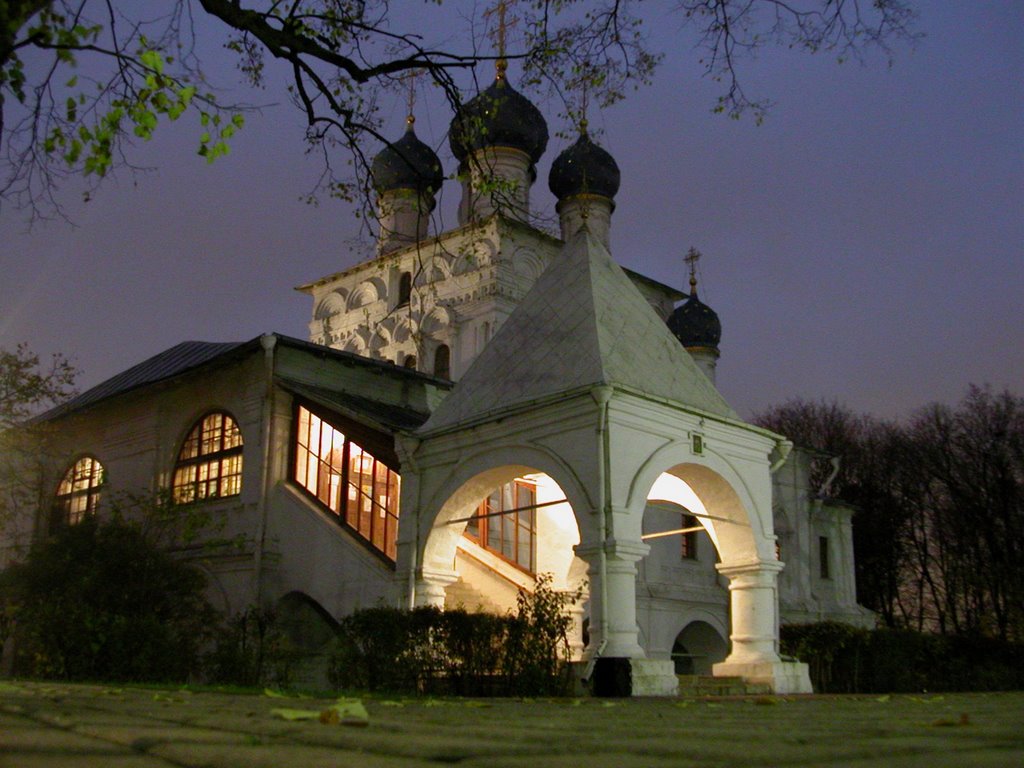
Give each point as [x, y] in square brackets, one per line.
[406, 164]
[584, 168]
[499, 117]
[695, 324]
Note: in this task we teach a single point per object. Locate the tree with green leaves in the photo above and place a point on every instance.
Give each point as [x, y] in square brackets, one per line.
[100, 600]
[80, 80]
[28, 385]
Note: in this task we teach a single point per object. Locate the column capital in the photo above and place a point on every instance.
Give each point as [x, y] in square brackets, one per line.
[630, 551]
[749, 568]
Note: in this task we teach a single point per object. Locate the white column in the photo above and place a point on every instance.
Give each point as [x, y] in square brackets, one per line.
[500, 179]
[613, 627]
[753, 599]
[403, 216]
[431, 587]
[593, 210]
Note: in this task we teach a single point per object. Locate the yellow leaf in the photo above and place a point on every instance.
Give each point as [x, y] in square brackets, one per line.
[295, 714]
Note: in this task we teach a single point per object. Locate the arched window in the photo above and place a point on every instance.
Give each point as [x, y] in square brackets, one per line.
[79, 492]
[410, 362]
[443, 362]
[404, 289]
[209, 464]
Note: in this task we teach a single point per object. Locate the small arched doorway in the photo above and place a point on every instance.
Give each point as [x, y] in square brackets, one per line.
[697, 648]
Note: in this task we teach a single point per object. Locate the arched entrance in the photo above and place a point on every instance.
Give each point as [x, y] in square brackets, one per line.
[697, 648]
[499, 524]
[737, 516]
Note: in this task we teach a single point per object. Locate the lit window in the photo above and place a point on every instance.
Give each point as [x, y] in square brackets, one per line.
[823, 564]
[506, 523]
[688, 545]
[210, 461]
[79, 492]
[443, 362]
[360, 489]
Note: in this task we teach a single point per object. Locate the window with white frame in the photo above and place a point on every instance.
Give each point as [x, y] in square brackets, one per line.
[209, 464]
[79, 491]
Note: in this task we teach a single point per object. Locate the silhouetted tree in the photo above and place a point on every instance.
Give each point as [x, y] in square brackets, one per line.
[84, 76]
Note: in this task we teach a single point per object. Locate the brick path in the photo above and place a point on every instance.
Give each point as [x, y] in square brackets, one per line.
[56, 725]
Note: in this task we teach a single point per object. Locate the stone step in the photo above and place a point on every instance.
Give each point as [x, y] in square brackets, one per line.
[462, 595]
[707, 685]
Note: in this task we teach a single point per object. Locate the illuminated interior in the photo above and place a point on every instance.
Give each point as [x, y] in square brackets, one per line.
[78, 494]
[210, 461]
[353, 484]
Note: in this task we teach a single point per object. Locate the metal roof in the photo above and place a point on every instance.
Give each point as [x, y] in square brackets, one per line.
[171, 362]
[190, 355]
[382, 416]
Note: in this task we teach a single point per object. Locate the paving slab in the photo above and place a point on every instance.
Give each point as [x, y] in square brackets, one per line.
[96, 726]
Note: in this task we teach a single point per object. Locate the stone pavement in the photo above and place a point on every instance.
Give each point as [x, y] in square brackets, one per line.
[54, 725]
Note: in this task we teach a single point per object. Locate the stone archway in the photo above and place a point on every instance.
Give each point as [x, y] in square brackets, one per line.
[734, 504]
[697, 648]
[439, 538]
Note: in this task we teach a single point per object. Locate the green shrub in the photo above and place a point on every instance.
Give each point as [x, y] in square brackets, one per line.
[100, 601]
[427, 650]
[845, 659]
[252, 649]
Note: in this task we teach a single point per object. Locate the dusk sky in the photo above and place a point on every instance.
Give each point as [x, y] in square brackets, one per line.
[866, 243]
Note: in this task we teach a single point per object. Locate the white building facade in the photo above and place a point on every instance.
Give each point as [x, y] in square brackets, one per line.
[475, 408]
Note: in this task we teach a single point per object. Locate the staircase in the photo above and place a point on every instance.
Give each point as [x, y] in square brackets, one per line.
[462, 595]
[705, 685]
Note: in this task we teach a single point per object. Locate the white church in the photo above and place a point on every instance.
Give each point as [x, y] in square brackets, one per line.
[475, 408]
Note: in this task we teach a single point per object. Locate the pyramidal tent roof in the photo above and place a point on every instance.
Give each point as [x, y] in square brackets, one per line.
[583, 323]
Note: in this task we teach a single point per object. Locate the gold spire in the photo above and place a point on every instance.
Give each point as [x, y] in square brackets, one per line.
[584, 102]
[501, 65]
[691, 258]
[410, 118]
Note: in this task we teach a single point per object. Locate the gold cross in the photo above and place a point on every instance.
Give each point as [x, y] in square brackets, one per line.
[692, 257]
[501, 8]
[411, 76]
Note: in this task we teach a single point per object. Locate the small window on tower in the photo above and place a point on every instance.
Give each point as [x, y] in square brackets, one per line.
[443, 362]
[823, 564]
[404, 289]
[410, 362]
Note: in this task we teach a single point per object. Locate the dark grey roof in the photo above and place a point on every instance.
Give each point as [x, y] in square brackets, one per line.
[406, 164]
[171, 362]
[584, 168]
[695, 324]
[381, 416]
[189, 355]
[498, 117]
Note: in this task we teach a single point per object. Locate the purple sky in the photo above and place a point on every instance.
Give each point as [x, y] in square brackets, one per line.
[864, 244]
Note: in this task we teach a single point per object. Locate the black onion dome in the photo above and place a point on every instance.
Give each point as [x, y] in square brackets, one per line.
[695, 324]
[584, 168]
[499, 117]
[406, 164]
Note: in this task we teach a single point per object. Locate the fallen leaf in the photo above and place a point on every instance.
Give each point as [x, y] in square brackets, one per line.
[295, 714]
[346, 712]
